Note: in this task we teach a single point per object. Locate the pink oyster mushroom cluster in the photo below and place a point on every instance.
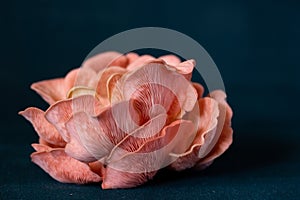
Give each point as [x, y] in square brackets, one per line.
[118, 119]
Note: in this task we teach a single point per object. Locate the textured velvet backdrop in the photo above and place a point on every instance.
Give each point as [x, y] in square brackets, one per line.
[255, 45]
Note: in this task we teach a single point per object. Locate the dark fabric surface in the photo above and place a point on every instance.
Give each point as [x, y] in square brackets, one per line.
[255, 45]
[256, 167]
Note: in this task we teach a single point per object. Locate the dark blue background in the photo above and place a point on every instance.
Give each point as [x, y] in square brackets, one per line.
[255, 45]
